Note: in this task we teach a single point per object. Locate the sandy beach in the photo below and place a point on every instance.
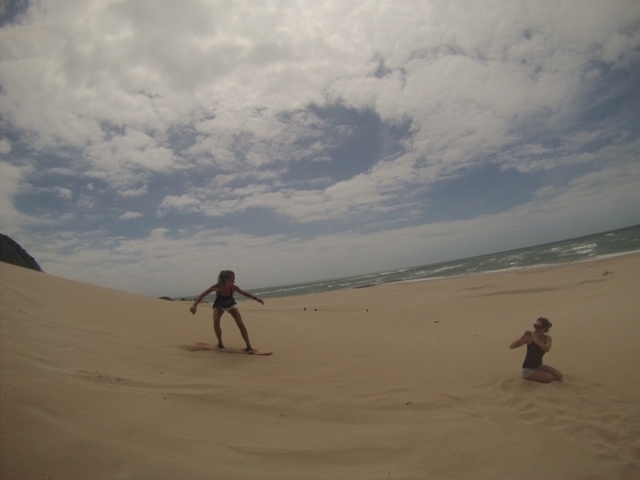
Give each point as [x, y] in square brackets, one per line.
[398, 381]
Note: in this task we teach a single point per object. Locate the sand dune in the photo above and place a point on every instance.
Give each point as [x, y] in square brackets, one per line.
[401, 381]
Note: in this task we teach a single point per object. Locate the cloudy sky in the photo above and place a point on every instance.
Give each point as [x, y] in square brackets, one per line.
[147, 144]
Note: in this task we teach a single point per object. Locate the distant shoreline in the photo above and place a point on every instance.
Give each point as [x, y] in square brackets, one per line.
[261, 292]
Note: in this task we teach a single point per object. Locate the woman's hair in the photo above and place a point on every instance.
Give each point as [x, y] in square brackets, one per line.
[223, 275]
[546, 324]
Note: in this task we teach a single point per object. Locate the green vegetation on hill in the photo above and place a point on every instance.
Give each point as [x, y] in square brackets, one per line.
[11, 252]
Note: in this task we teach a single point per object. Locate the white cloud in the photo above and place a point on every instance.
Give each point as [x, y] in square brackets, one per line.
[65, 193]
[11, 178]
[5, 146]
[130, 215]
[181, 203]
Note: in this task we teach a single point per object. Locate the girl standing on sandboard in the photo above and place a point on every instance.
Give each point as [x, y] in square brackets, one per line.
[225, 302]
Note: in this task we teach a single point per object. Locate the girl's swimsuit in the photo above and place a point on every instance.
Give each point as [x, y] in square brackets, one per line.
[533, 360]
[224, 302]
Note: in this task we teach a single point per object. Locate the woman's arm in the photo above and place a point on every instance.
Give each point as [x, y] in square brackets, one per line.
[247, 294]
[524, 339]
[546, 346]
[209, 290]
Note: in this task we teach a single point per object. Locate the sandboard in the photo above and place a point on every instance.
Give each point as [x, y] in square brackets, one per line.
[208, 346]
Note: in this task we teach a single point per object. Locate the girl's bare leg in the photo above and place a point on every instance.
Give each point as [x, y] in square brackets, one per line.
[540, 376]
[235, 313]
[217, 315]
[557, 376]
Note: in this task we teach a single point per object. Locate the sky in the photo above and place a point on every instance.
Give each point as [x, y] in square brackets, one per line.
[147, 145]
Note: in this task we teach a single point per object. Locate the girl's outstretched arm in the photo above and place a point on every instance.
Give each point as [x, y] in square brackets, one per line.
[247, 294]
[209, 290]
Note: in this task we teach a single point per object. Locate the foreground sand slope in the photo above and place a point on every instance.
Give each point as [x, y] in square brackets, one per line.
[405, 381]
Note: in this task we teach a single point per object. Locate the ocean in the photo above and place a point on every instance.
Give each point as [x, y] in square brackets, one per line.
[590, 247]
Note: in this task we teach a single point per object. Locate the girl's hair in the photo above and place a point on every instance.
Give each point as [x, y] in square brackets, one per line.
[546, 324]
[223, 275]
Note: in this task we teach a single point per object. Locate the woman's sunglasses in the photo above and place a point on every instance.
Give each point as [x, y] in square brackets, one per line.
[537, 327]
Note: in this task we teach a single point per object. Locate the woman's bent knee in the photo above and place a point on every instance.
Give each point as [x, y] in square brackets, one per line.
[540, 376]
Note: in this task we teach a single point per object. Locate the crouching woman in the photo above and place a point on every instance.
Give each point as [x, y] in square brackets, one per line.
[538, 343]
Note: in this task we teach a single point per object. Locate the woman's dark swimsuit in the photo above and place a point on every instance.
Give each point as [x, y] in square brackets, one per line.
[534, 356]
[224, 302]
